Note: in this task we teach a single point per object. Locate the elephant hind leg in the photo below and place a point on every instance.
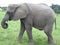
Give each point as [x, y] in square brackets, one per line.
[48, 32]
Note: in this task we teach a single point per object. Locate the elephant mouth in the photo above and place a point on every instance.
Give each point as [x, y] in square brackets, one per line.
[4, 25]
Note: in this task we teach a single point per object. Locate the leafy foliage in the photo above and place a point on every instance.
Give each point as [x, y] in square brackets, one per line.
[56, 8]
[3, 8]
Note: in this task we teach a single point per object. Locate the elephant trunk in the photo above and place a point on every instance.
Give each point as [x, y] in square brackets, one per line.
[4, 23]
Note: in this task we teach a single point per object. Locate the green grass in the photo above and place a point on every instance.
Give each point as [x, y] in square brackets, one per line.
[9, 36]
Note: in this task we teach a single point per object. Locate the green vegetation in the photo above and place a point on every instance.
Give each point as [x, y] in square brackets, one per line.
[9, 36]
[56, 8]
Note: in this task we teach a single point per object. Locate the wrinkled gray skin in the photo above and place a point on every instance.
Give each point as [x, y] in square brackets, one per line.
[39, 16]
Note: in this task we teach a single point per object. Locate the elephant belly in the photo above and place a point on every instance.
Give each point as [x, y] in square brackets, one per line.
[39, 24]
[38, 27]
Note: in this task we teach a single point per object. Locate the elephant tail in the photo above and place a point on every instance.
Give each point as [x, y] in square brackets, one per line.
[55, 24]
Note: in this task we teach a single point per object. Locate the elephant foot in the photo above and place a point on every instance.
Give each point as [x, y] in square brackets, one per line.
[19, 39]
[31, 43]
[52, 42]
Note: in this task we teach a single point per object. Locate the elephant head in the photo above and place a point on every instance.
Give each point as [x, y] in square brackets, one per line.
[14, 12]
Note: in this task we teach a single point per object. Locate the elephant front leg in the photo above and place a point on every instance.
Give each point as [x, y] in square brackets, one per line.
[22, 30]
[29, 33]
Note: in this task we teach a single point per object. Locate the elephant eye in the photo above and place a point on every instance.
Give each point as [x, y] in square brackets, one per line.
[8, 12]
[10, 15]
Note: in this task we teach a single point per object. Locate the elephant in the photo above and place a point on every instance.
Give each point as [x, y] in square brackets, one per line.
[39, 16]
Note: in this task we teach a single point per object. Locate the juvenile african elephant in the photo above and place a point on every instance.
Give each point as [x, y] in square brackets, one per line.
[39, 16]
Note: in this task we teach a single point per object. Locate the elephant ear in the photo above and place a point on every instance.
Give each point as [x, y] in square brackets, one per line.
[21, 12]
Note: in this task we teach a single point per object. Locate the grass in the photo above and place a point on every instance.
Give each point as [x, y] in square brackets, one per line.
[9, 36]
